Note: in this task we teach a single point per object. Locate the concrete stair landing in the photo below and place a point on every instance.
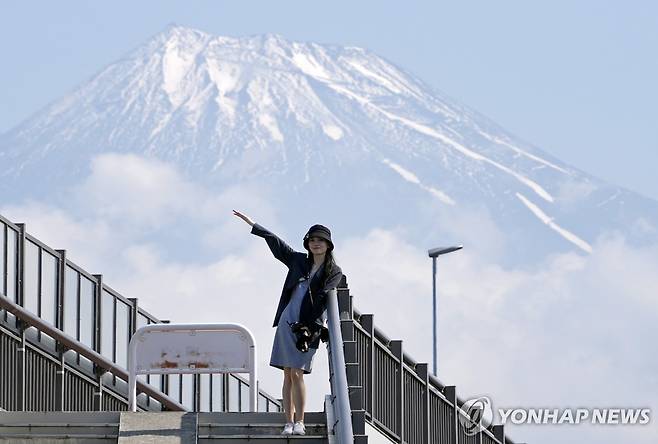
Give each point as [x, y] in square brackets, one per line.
[152, 428]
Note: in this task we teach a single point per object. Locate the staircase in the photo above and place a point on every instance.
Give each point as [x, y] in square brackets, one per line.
[160, 428]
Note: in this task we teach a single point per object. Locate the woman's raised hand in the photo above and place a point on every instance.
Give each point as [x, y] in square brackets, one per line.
[243, 217]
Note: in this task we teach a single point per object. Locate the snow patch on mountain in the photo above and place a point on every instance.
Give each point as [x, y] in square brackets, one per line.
[373, 76]
[500, 141]
[308, 65]
[226, 77]
[568, 235]
[333, 131]
[411, 177]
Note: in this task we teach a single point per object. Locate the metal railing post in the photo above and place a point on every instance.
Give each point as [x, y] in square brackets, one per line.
[422, 372]
[396, 348]
[61, 274]
[98, 293]
[98, 390]
[196, 393]
[339, 389]
[59, 323]
[133, 315]
[20, 299]
[450, 393]
[344, 303]
[4, 275]
[59, 382]
[20, 291]
[21, 371]
[368, 323]
[98, 372]
[499, 433]
[227, 400]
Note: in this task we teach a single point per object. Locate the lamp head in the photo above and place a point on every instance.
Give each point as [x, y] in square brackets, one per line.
[435, 252]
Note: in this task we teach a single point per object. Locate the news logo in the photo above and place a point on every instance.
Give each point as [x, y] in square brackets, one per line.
[476, 414]
[473, 413]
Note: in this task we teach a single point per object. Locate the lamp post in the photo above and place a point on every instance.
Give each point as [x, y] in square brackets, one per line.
[434, 253]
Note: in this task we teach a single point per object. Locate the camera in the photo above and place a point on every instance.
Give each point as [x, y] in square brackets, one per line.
[304, 335]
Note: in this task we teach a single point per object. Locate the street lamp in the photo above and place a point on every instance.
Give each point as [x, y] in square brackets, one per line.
[434, 253]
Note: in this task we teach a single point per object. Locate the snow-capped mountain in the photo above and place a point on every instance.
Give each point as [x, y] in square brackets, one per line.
[312, 121]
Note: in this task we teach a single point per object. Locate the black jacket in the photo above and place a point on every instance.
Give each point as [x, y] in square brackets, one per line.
[299, 265]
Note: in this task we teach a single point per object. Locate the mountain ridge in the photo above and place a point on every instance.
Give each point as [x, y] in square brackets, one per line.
[230, 110]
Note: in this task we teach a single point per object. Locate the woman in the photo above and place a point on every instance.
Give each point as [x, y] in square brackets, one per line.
[303, 299]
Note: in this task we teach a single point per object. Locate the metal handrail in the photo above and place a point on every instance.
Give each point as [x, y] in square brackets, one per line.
[337, 374]
[98, 359]
[408, 360]
[70, 299]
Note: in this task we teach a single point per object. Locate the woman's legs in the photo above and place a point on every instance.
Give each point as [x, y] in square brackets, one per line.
[294, 394]
[288, 407]
[298, 392]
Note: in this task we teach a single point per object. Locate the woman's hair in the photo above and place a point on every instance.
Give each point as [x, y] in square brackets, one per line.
[329, 262]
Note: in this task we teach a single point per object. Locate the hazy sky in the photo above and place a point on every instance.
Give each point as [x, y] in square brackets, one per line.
[575, 78]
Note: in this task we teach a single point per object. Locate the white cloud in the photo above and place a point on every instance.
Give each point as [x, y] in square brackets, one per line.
[59, 229]
[137, 191]
[468, 224]
[136, 196]
[129, 199]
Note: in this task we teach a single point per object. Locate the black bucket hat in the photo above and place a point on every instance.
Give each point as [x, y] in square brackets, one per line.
[321, 231]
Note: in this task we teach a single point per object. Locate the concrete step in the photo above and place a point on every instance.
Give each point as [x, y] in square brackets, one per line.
[263, 439]
[158, 428]
[257, 429]
[257, 417]
[261, 428]
[59, 427]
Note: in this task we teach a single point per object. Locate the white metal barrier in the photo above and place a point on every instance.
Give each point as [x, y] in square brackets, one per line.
[191, 348]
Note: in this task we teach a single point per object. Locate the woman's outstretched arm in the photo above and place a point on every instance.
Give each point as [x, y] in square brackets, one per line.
[244, 217]
[281, 250]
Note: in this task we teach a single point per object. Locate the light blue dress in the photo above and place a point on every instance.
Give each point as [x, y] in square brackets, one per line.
[284, 349]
